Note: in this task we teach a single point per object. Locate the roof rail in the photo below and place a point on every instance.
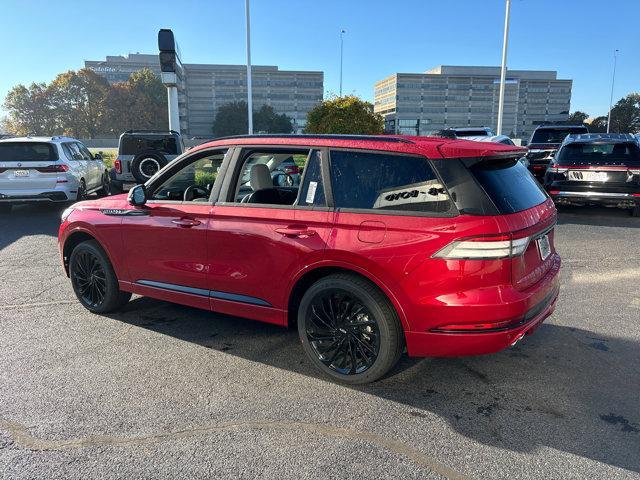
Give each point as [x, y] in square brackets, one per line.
[582, 137]
[151, 131]
[330, 136]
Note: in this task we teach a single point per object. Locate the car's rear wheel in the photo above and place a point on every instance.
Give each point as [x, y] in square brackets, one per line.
[81, 194]
[105, 189]
[5, 208]
[93, 279]
[349, 329]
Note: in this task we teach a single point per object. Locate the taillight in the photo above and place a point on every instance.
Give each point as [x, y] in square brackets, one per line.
[558, 169]
[291, 170]
[58, 168]
[484, 248]
[117, 165]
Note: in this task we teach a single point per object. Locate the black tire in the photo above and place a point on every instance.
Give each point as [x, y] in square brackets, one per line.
[5, 208]
[93, 280]
[146, 164]
[349, 329]
[82, 191]
[105, 189]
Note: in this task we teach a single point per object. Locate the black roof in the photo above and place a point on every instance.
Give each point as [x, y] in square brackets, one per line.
[600, 138]
[559, 127]
[370, 138]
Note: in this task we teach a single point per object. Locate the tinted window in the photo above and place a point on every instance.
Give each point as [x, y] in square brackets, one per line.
[509, 184]
[599, 154]
[312, 189]
[555, 135]
[472, 133]
[386, 182]
[27, 152]
[134, 144]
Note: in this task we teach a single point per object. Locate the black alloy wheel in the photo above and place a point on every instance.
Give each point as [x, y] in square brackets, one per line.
[94, 280]
[81, 194]
[89, 278]
[349, 329]
[342, 332]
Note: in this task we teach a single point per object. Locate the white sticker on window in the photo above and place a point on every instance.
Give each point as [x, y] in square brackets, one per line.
[311, 193]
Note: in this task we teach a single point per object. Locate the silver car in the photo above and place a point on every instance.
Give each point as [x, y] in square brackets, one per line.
[48, 169]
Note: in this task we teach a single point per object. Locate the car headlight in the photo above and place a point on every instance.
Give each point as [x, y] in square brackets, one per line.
[66, 213]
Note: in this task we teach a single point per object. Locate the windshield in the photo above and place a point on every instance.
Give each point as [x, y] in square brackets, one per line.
[27, 152]
[555, 135]
[599, 154]
[509, 184]
[134, 144]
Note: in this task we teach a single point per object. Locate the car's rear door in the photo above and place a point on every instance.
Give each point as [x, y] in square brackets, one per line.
[257, 248]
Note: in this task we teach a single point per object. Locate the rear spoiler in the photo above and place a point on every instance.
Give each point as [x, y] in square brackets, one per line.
[480, 150]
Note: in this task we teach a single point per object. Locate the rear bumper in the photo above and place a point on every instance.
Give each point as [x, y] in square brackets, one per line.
[51, 196]
[596, 198]
[530, 316]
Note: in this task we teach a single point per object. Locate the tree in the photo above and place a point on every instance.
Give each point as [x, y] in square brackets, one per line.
[232, 119]
[348, 114]
[598, 125]
[625, 115]
[29, 110]
[578, 118]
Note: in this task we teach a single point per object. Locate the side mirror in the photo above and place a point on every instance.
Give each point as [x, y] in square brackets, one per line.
[97, 156]
[137, 196]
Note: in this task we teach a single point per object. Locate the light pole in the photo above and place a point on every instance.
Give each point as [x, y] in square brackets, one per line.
[503, 71]
[342, 32]
[249, 91]
[613, 81]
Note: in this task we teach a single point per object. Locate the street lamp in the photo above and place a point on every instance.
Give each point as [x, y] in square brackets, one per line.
[503, 72]
[613, 81]
[342, 32]
[249, 90]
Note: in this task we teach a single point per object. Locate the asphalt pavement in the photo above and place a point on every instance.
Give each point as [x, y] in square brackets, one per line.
[165, 391]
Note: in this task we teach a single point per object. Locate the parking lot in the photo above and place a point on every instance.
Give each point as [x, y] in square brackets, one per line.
[165, 391]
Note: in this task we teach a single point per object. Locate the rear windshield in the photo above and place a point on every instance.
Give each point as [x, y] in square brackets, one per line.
[509, 184]
[471, 133]
[599, 154]
[555, 135]
[134, 144]
[27, 152]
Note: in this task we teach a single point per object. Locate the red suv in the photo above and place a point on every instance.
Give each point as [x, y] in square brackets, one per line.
[443, 247]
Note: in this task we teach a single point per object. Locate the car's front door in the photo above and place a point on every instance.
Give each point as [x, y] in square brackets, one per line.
[165, 241]
[263, 234]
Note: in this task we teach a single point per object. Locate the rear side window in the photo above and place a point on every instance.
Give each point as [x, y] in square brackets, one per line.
[134, 144]
[509, 185]
[375, 181]
[599, 154]
[27, 152]
[555, 135]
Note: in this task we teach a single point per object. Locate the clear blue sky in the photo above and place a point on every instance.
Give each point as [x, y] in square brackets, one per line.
[574, 37]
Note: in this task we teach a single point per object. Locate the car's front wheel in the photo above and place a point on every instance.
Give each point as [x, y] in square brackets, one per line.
[93, 279]
[349, 329]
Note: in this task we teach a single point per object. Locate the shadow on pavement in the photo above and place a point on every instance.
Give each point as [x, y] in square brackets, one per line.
[598, 216]
[563, 388]
[29, 220]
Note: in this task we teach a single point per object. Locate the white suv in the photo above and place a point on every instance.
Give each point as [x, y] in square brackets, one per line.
[48, 169]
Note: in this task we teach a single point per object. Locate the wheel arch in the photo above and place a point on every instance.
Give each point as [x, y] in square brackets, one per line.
[312, 275]
[71, 242]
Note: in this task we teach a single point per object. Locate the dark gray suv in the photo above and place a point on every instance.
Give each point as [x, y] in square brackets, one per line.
[141, 153]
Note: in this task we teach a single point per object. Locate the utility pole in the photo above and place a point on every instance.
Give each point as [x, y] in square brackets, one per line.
[249, 90]
[342, 32]
[503, 72]
[613, 82]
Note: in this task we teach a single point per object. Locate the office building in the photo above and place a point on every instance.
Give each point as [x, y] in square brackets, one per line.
[205, 87]
[460, 96]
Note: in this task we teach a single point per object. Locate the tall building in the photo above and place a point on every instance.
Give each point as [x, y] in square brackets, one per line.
[458, 96]
[205, 88]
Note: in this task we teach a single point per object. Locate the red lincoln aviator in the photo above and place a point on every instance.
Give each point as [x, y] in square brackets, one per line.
[372, 244]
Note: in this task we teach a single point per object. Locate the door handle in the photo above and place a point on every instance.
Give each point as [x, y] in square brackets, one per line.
[299, 231]
[186, 222]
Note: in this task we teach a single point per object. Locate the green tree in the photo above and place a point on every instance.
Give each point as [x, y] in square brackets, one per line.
[598, 125]
[349, 115]
[29, 110]
[78, 99]
[578, 118]
[231, 119]
[625, 115]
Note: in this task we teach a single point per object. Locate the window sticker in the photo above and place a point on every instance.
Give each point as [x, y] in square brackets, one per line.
[311, 192]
